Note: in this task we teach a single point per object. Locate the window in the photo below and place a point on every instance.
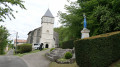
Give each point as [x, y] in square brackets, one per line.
[47, 31]
[54, 39]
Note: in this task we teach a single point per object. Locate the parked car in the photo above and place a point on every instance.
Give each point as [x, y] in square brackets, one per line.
[36, 46]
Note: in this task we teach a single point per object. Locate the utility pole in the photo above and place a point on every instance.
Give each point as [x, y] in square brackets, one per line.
[16, 41]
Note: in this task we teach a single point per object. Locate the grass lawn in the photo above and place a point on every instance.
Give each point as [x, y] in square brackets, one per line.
[34, 51]
[54, 64]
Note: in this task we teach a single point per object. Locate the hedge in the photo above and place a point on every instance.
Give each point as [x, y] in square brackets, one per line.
[23, 48]
[68, 44]
[98, 51]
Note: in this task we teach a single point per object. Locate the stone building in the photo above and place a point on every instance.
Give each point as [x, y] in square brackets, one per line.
[44, 34]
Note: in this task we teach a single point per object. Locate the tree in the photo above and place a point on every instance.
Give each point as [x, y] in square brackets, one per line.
[103, 13]
[102, 16]
[10, 45]
[71, 20]
[6, 10]
[3, 39]
[62, 31]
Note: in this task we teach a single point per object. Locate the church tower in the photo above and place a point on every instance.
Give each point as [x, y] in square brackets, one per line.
[47, 23]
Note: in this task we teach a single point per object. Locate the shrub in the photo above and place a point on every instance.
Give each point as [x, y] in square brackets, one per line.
[23, 48]
[68, 55]
[18, 49]
[52, 49]
[98, 51]
[68, 44]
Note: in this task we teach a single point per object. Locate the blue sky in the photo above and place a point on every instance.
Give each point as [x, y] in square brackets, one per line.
[27, 20]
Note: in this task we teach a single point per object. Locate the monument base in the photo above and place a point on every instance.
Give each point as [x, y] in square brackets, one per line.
[85, 33]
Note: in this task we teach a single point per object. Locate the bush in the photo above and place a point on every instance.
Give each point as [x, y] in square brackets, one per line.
[68, 55]
[68, 44]
[52, 49]
[23, 48]
[98, 51]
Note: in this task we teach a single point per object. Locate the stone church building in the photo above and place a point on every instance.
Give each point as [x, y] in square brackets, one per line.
[44, 34]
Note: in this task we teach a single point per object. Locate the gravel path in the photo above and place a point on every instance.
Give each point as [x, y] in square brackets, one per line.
[37, 59]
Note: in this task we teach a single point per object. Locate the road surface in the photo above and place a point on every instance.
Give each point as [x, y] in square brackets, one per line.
[12, 61]
[9, 60]
[37, 59]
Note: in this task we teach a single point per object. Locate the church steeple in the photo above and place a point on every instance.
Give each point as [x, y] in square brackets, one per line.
[48, 14]
[48, 17]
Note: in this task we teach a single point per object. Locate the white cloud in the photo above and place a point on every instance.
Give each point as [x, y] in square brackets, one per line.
[27, 20]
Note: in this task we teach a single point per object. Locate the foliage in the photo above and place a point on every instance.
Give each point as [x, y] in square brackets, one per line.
[34, 51]
[65, 41]
[18, 49]
[68, 55]
[71, 20]
[98, 51]
[62, 31]
[52, 49]
[10, 45]
[23, 48]
[3, 39]
[6, 10]
[68, 44]
[102, 16]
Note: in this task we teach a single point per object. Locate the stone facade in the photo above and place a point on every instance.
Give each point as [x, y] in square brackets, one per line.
[44, 34]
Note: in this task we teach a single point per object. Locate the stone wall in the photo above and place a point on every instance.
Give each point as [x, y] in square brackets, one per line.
[59, 53]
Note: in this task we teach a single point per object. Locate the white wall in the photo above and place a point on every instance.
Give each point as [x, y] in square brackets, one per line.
[47, 35]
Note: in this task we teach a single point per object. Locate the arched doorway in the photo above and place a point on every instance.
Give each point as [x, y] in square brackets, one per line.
[46, 46]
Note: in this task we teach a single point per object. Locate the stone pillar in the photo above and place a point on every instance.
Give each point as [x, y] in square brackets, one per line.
[85, 33]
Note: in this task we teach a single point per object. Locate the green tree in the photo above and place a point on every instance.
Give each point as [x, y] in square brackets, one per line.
[62, 31]
[10, 45]
[103, 13]
[3, 39]
[71, 20]
[102, 16]
[6, 10]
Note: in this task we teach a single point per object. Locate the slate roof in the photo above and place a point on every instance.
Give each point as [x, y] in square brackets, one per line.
[48, 14]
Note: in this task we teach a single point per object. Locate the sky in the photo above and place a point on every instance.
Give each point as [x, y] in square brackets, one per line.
[27, 20]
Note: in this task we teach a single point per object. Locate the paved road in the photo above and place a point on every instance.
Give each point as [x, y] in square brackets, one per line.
[10, 52]
[12, 61]
[37, 59]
